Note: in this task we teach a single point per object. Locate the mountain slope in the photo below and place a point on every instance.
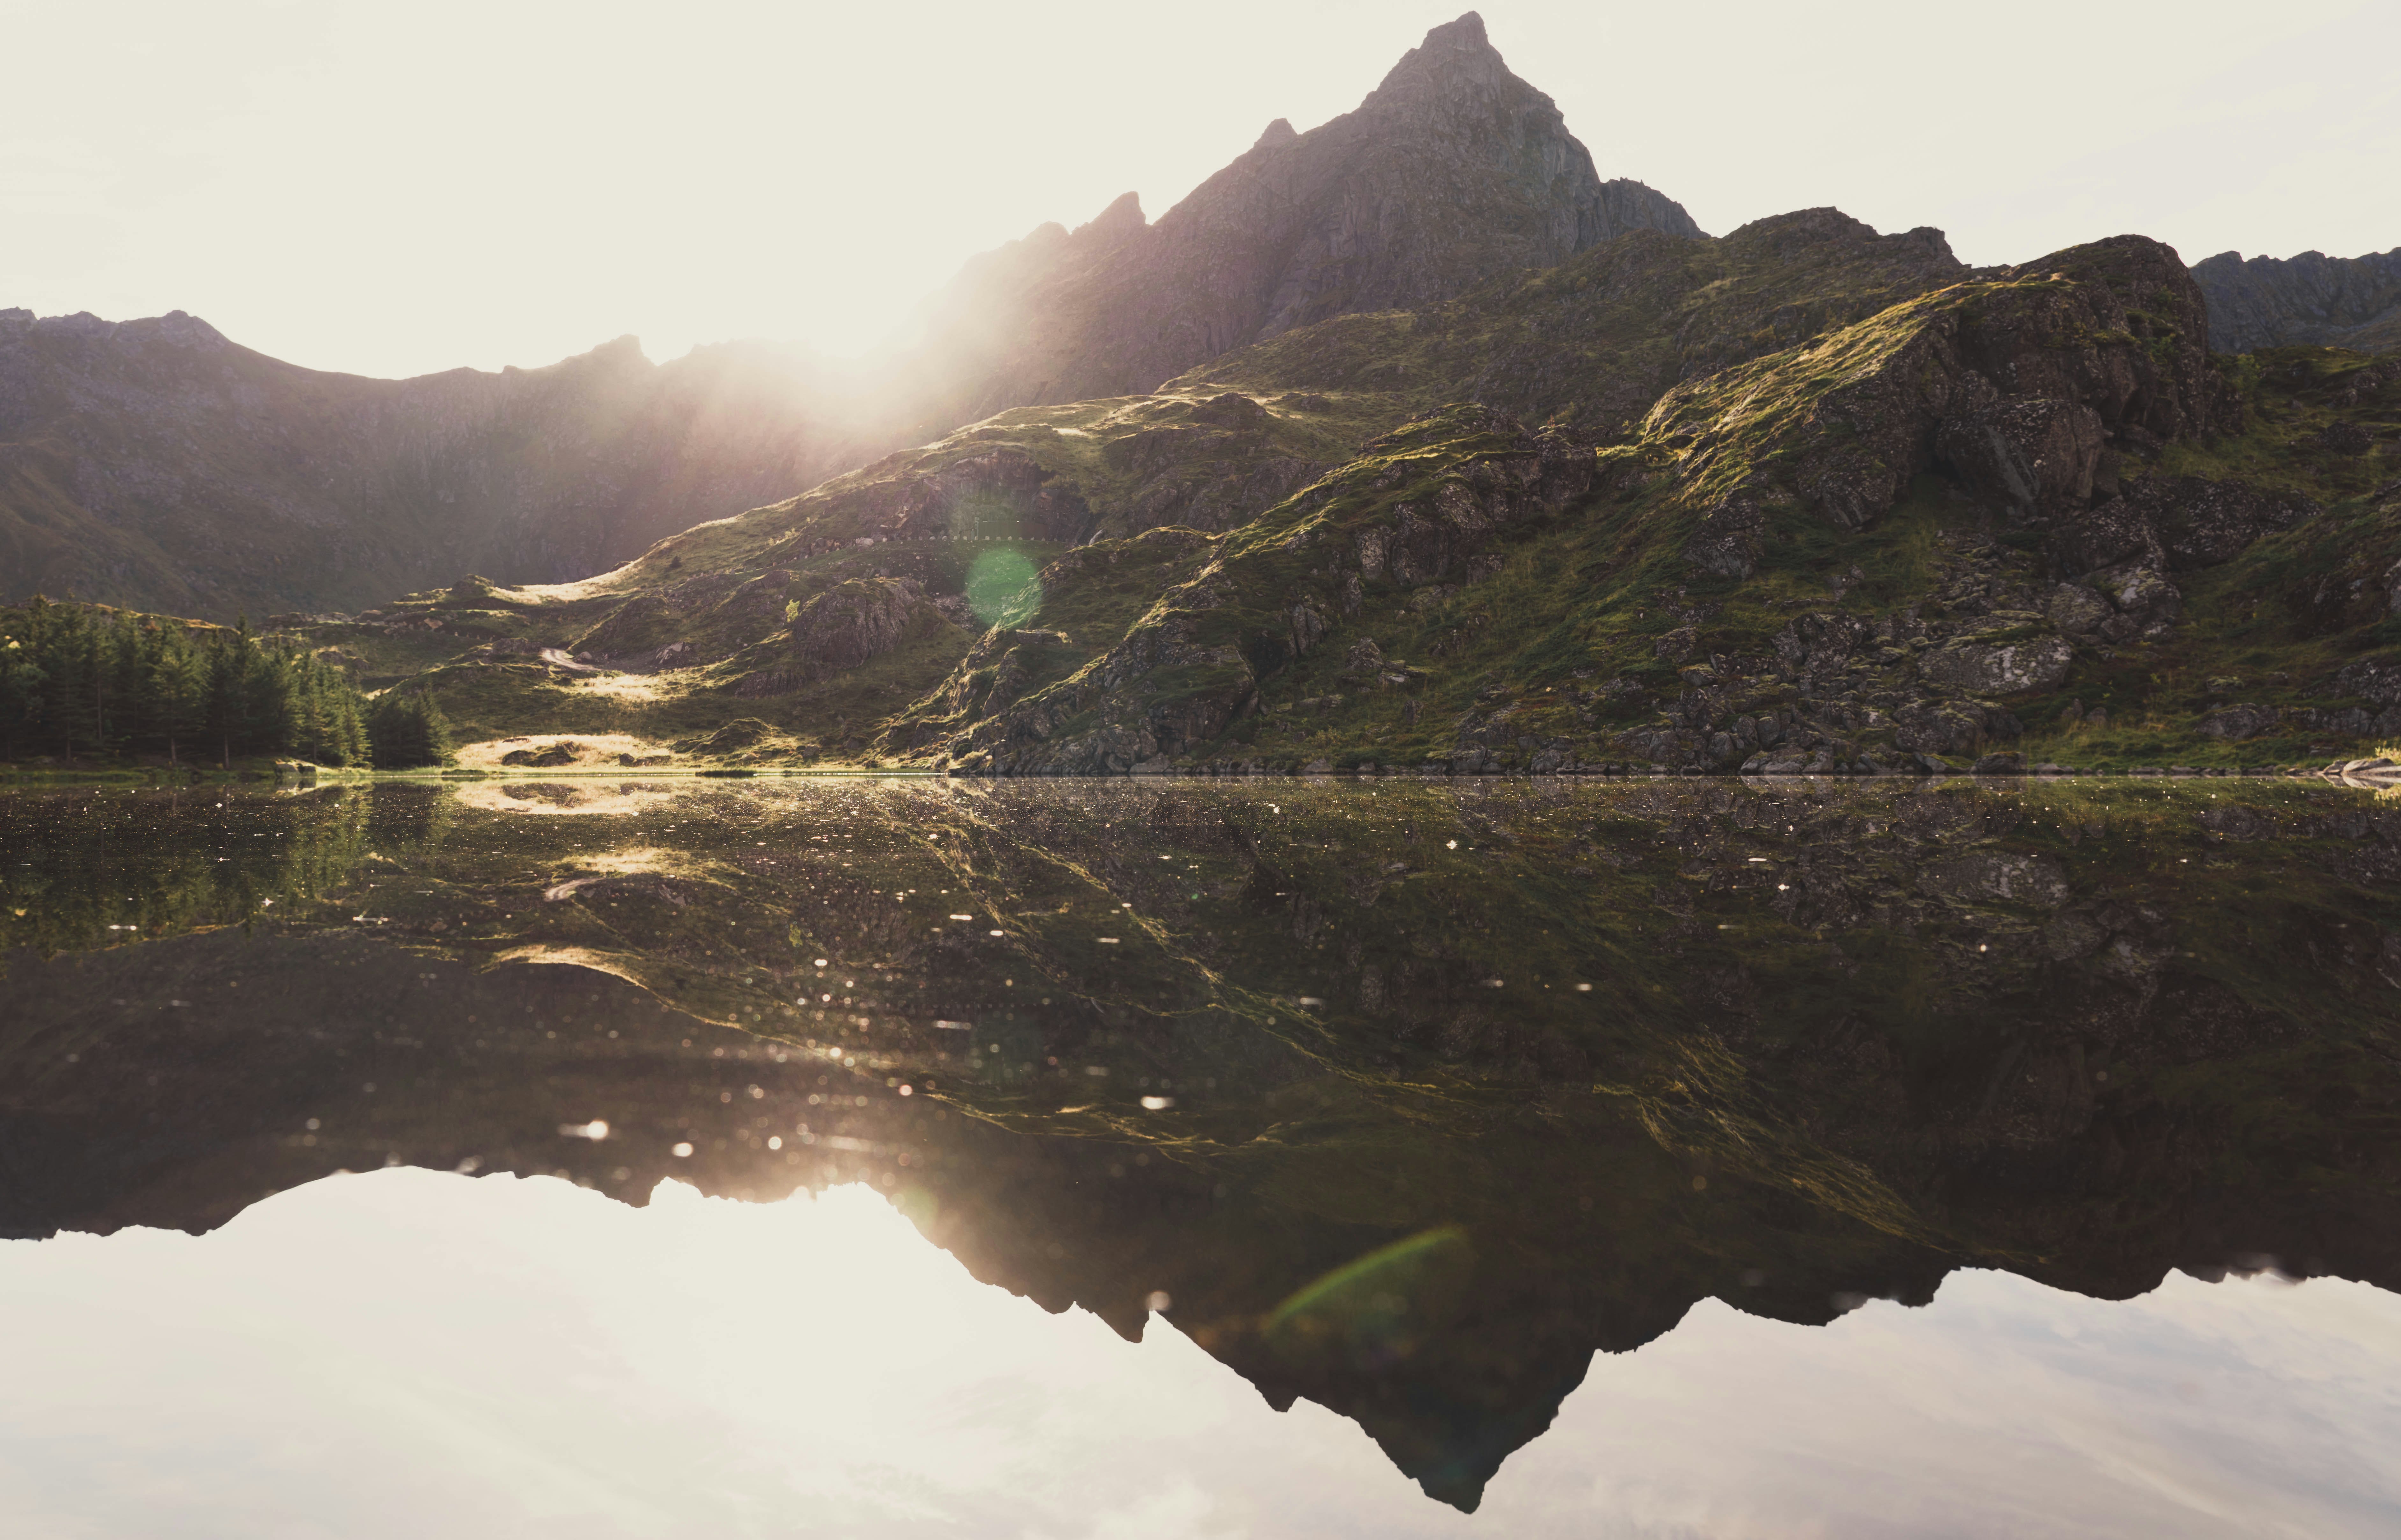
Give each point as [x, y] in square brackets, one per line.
[1898, 516]
[1589, 344]
[2334, 301]
[157, 463]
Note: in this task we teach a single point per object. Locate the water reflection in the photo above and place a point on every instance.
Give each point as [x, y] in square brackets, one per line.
[389, 1354]
[1408, 1098]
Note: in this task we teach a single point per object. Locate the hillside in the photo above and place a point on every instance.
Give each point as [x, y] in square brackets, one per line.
[1407, 442]
[157, 464]
[1858, 509]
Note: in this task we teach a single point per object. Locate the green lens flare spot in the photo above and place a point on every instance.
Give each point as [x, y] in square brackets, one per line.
[1001, 587]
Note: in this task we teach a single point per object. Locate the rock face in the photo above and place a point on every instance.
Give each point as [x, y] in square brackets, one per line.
[852, 622]
[1451, 172]
[845, 627]
[2334, 301]
[2006, 670]
[2023, 392]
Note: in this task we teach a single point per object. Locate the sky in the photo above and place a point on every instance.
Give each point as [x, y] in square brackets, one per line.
[398, 189]
[375, 1356]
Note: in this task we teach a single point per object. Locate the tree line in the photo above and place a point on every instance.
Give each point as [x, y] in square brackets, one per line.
[88, 681]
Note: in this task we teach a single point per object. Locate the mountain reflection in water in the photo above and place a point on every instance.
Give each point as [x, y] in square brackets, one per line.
[1403, 1099]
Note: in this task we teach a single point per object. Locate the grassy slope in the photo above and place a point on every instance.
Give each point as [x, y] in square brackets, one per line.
[1574, 626]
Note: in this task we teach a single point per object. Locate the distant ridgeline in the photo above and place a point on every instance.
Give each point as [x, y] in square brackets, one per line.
[86, 682]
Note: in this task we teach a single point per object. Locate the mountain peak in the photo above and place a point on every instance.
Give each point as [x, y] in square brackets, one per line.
[1451, 170]
[1467, 33]
[1457, 53]
[1120, 218]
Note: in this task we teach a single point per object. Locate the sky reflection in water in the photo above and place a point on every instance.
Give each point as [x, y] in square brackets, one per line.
[409, 1353]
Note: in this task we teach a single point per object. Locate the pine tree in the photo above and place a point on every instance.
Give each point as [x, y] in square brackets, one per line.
[405, 729]
[80, 679]
[22, 693]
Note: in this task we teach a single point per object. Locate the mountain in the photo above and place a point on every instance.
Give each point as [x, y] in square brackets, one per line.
[1453, 172]
[1381, 448]
[157, 464]
[1805, 497]
[2334, 301]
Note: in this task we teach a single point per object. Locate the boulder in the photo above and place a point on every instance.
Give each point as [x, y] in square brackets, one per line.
[2116, 532]
[854, 621]
[2148, 603]
[2005, 669]
[543, 758]
[2076, 608]
[2377, 680]
[2038, 456]
[2202, 523]
[2234, 723]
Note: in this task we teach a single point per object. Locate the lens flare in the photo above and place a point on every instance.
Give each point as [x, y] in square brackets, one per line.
[1001, 589]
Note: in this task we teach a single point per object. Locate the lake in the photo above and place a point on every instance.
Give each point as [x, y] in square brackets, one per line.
[914, 1157]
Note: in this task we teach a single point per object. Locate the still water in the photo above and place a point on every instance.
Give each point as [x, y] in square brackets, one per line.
[900, 1157]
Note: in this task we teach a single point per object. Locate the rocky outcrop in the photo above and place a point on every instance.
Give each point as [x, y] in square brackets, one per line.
[852, 622]
[1420, 541]
[2009, 669]
[2195, 523]
[1219, 634]
[2375, 680]
[2333, 301]
[2020, 387]
[858, 620]
[1217, 467]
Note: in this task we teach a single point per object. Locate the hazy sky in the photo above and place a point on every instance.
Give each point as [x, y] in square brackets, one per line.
[393, 189]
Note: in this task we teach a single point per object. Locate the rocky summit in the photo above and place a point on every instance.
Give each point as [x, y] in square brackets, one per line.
[2346, 302]
[1452, 172]
[1408, 443]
